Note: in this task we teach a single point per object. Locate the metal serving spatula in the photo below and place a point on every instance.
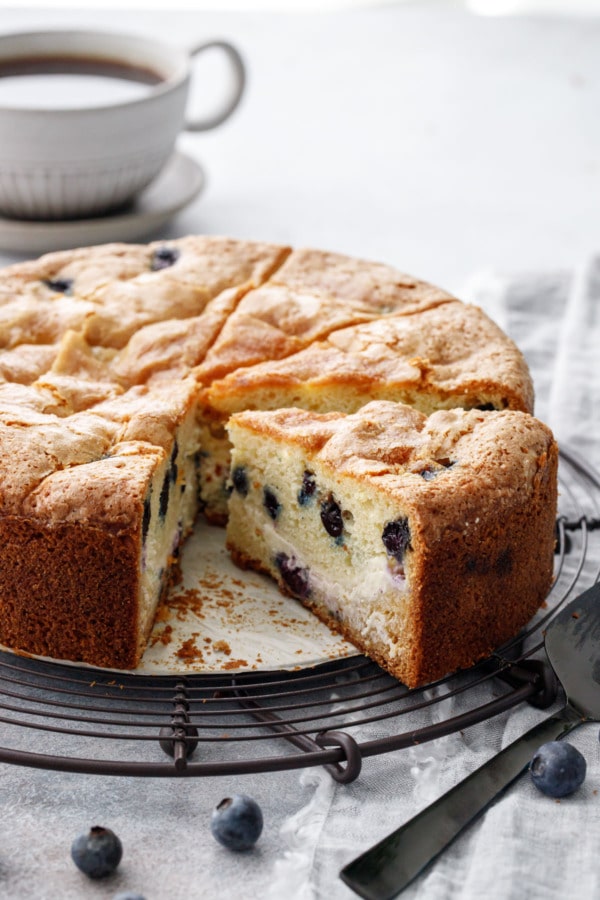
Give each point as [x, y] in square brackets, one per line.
[572, 643]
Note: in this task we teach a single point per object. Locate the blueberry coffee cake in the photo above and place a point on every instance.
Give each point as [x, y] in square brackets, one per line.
[120, 366]
[427, 541]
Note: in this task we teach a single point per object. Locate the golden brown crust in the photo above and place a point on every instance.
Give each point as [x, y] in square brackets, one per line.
[205, 268]
[26, 362]
[110, 291]
[174, 347]
[311, 295]
[453, 354]
[46, 443]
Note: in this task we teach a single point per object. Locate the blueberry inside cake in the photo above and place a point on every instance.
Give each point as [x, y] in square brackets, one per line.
[445, 356]
[427, 541]
[420, 524]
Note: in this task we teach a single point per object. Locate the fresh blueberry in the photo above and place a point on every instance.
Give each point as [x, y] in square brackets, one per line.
[173, 469]
[97, 853]
[331, 517]
[271, 503]
[396, 538]
[431, 471]
[147, 515]
[307, 489]
[446, 462]
[295, 577]
[163, 257]
[558, 768]
[239, 480]
[237, 822]
[60, 285]
[169, 479]
[163, 503]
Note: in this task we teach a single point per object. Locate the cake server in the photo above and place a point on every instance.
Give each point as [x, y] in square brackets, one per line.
[572, 642]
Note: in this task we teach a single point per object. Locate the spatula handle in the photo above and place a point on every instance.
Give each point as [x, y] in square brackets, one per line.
[388, 867]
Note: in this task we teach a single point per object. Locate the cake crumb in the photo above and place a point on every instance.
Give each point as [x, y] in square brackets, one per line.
[189, 650]
[163, 637]
[235, 664]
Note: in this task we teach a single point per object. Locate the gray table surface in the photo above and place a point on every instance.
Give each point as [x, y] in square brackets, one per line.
[459, 148]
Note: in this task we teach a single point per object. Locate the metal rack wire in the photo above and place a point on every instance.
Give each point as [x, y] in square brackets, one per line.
[68, 718]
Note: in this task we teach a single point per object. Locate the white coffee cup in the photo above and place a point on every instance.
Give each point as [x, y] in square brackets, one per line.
[85, 159]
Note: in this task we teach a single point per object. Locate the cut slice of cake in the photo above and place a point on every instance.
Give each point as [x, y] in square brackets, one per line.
[177, 281]
[452, 355]
[426, 541]
[95, 503]
[110, 291]
[312, 294]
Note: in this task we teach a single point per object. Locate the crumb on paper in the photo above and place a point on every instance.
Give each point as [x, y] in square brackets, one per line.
[164, 637]
[175, 573]
[162, 613]
[211, 581]
[222, 647]
[184, 602]
[235, 664]
[190, 651]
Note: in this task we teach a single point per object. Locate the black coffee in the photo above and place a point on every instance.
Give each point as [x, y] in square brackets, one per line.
[72, 81]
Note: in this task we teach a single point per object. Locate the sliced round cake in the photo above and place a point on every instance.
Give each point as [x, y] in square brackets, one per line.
[120, 366]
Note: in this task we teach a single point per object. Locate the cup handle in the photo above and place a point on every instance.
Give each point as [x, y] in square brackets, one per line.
[239, 73]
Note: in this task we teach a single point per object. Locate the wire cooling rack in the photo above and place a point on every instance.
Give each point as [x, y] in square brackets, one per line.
[74, 719]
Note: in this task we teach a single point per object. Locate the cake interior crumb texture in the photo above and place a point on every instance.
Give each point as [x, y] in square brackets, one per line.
[126, 371]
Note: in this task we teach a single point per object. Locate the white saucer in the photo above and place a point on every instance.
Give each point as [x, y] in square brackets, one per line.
[178, 184]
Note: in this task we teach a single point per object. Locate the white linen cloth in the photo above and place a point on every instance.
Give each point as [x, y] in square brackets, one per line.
[442, 169]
